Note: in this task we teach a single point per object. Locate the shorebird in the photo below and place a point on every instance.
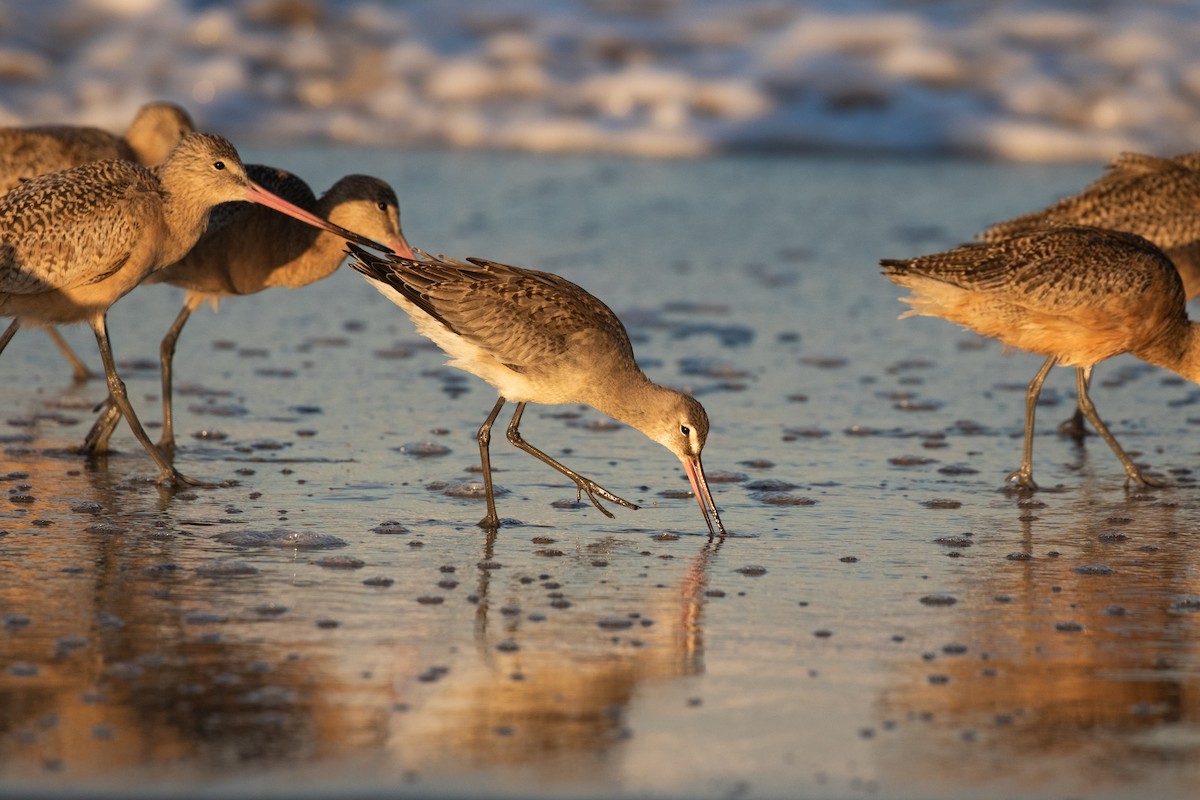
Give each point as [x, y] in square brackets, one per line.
[31, 151]
[248, 248]
[1157, 198]
[538, 338]
[75, 241]
[1077, 295]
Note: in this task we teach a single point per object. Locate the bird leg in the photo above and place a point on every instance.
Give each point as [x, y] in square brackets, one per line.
[166, 355]
[583, 484]
[492, 520]
[78, 368]
[1088, 409]
[116, 391]
[96, 441]
[1073, 427]
[1024, 476]
[9, 332]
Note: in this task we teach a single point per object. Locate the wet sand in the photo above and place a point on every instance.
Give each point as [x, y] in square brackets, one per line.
[884, 620]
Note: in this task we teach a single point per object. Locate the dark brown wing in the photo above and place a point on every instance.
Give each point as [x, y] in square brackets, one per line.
[1052, 269]
[522, 316]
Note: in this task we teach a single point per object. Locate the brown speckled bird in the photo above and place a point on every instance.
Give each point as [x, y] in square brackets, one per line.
[1157, 198]
[248, 248]
[75, 241]
[538, 338]
[1154, 197]
[31, 151]
[1077, 295]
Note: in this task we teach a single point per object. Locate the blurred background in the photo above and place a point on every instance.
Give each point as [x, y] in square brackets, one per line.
[1038, 80]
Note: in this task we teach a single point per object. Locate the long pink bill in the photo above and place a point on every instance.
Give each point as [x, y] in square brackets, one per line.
[399, 246]
[695, 473]
[257, 194]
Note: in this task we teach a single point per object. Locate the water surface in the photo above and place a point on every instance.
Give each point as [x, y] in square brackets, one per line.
[884, 619]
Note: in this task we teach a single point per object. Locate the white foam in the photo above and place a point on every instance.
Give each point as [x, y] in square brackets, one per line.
[1030, 81]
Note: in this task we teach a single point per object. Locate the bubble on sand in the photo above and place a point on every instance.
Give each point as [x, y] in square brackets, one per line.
[282, 538]
[471, 490]
[614, 623]
[1185, 605]
[105, 528]
[1093, 569]
[341, 562]
[225, 568]
[423, 449]
[941, 503]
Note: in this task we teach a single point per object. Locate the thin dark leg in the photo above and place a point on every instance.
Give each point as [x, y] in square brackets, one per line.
[1083, 378]
[166, 355]
[583, 484]
[9, 332]
[96, 441]
[116, 391]
[78, 368]
[492, 520]
[1024, 476]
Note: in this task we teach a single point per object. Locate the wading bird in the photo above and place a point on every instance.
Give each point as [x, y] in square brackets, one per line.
[35, 150]
[248, 248]
[538, 338]
[75, 241]
[1077, 295]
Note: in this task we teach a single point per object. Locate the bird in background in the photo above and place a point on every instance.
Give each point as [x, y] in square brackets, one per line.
[73, 242]
[1077, 295]
[538, 338]
[26, 152]
[1154, 197]
[248, 248]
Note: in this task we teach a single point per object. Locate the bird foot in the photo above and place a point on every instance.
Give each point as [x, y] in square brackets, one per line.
[592, 489]
[1023, 478]
[172, 478]
[1142, 479]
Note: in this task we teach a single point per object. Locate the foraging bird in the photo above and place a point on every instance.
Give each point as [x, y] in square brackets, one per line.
[1077, 295]
[538, 338]
[28, 152]
[75, 241]
[248, 248]
[1157, 198]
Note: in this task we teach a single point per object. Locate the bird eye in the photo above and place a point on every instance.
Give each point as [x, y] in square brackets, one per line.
[685, 430]
[218, 165]
[383, 206]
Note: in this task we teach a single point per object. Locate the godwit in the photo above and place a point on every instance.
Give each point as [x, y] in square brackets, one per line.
[28, 152]
[1077, 295]
[538, 338]
[1158, 198]
[73, 242]
[248, 248]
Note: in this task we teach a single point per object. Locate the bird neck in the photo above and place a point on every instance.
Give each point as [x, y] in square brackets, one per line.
[186, 219]
[1177, 349]
[637, 402]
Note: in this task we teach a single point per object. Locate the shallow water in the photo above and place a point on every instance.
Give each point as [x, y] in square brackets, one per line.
[884, 619]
